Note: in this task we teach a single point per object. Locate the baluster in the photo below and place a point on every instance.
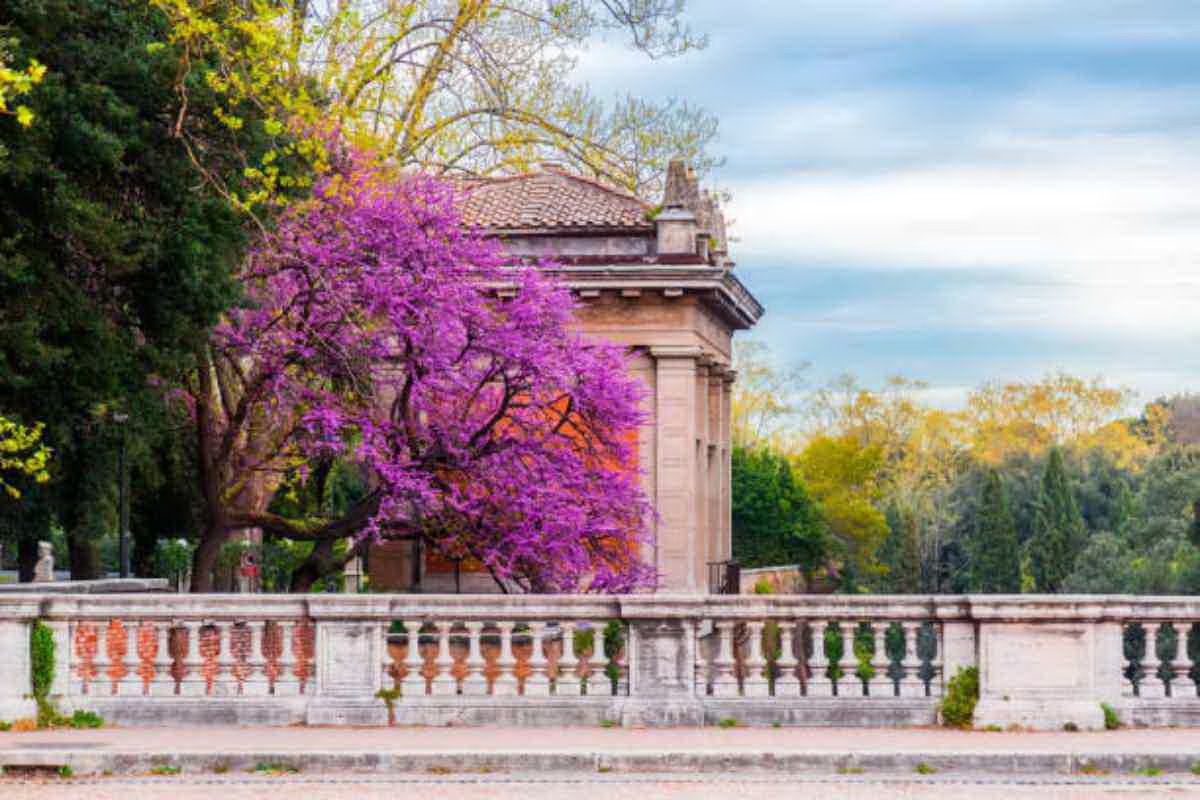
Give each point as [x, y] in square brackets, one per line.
[538, 682]
[839, 686]
[703, 663]
[192, 683]
[881, 683]
[566, 677]
[163, 683]
[755, 682]
[787, 684]
[819, 684]
[506, 684]
[444, 683]
[1152, 686]
[937, 680]
[224, 660]
[256, 661]
[285, 681]
[475, 683]
[725, 682]
[1183, 685]
[911, 684]
[413, 683]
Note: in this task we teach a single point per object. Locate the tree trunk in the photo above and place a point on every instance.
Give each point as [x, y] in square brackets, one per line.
[205, 558]
[320, 562]
[84, 552]
[27, 557]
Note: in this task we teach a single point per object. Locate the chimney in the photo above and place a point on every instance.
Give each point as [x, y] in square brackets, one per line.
[675, 225]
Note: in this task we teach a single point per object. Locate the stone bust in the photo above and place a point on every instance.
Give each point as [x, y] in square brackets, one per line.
[43, 572]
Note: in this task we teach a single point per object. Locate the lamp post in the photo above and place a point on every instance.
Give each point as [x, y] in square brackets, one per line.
[122, 496]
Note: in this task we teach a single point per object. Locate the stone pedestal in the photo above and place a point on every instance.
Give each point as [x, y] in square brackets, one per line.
[16, 685]
[1044, 676]
[349, 674]
[661, 675]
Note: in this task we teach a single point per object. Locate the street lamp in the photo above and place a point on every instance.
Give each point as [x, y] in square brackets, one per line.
[122, 496]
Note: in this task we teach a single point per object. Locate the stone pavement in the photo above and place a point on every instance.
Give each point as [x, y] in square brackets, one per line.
[601, 751]
[608, 787]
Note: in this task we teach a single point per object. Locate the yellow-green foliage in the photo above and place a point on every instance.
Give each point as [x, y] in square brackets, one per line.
[962, 693]
[21, 450]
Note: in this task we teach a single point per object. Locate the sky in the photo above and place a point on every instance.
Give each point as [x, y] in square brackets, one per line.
[956, 190]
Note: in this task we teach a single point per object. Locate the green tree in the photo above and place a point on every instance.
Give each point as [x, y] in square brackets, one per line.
[1059, 532]
[115, 259]
[775, 520]
[995, 558]
[900, 553]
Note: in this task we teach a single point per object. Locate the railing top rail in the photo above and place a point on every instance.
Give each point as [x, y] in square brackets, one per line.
[991, 608]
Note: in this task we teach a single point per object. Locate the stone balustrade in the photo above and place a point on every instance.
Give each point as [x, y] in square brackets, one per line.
[642, 659]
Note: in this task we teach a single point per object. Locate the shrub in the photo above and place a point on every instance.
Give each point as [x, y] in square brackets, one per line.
[1111, 720]
[962, 693]
[763, 586]
[924, 769]
[727, 722]
[85, 719]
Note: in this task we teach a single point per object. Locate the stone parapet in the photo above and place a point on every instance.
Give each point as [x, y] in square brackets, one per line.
[663, 659]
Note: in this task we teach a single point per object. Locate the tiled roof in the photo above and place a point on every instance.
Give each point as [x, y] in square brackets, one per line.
[551, 199]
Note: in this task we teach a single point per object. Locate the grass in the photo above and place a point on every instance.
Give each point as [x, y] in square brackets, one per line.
[727, 722]
[221, 768]
[1196, 767]
[1111, 720]
[993, 728]
[924, 769]
[608, 723]
[1148, 772]
[165, 769]
[65, 771]
[1090, 768]
[850, 770]
[273, 768]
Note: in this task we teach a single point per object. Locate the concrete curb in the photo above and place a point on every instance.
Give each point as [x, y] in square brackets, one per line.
[136, 762]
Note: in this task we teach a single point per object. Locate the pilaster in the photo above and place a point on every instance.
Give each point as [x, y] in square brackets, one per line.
[675, 464]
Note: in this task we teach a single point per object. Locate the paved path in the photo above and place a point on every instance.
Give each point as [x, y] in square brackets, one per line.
[640, 787]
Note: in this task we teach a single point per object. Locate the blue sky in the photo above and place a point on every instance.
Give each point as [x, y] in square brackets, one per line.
[957, 190]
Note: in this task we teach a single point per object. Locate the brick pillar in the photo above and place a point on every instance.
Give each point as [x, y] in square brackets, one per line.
[675, 465]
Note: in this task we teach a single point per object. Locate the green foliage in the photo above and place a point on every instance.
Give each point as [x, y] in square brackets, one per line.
[923, 768]
[5, 727]
[962, 693]
[164, 770]
[993, 550]
[864, 652]
[173, 559]
[775, 520]
[727, 722]
[41, 659]
[66, 771]
[835, 647]
[1111, 720]
[81, 719]
[899, 554]
[763, 586]
[1059, 532]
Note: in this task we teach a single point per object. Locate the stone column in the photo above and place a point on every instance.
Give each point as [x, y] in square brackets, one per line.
[349, 655]
[716, 465]
[675, 465]
[725, 534]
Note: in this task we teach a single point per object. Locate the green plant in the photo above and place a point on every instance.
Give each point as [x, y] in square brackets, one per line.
[1148, 772]
[275, 768]
[1196, 767]
[221, 768]
[864, 652]
[962, 693]
[165, 769]
[835, 648]
[763, 586]
[727, 722]
[993, 729]
[608, 723]
[850, 770]
[776, 724]
[389, 697]
[1091, 768]
[1111, 720]
[5, 727]
[1070, 727]
[85, 719]
[65, 771]
[924, 769]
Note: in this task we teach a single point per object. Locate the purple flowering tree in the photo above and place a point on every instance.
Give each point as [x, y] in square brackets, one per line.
[381, 333]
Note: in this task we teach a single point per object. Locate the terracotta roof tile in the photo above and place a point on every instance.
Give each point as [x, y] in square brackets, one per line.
[550, 199]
